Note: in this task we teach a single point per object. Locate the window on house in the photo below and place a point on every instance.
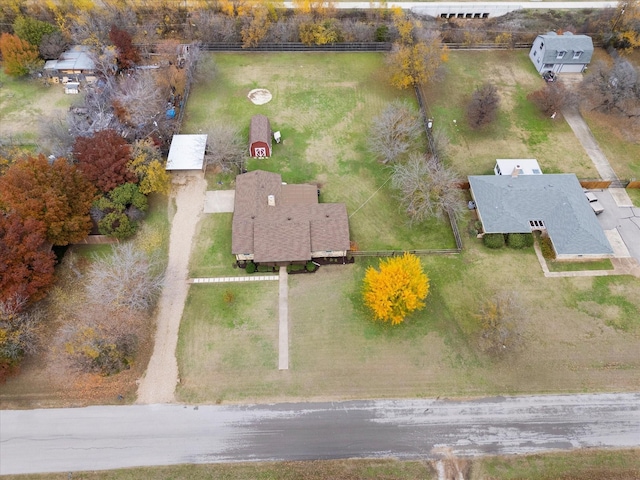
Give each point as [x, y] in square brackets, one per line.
[541, 45]
[548, 66]
[535, 54]
[536, 224]
[561, 53]
[577, 54]
[485, 15]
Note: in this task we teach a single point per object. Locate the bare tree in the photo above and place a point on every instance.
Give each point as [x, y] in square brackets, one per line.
[500, 318]
[483, 107]
[427, 188]
[19, 329]
[225, 147]
[139, 99]
[126, 278]
[96, 113]
[56, 136]
[552, 98]
[52, 45]
[394, 131]
[614, 89]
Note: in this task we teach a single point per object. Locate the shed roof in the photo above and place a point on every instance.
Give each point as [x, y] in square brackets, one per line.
[76, 58]
[292, 229]
[568, 42]
[525, 166]
[506, 204]
[259, 130]
[187, 152]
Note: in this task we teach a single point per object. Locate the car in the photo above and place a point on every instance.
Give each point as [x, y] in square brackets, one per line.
[596, 206]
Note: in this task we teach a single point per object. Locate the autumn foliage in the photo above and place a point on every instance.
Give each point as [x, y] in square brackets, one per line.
[103, 159]
[19, 57]
[56, 194]
[128, 55]
[26, 261]
[398, 288]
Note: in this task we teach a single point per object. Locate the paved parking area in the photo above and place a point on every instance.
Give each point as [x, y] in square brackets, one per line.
[219, 201]
[626, 220]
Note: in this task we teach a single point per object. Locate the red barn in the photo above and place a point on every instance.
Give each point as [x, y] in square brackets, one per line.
[260, 137]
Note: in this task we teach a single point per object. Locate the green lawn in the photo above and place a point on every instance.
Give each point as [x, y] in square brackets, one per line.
[520, 131]
[577, 465]
[573, 340]
[560, 266]
[634, 195]
[323, 105]
[228, 346]
[24, 103]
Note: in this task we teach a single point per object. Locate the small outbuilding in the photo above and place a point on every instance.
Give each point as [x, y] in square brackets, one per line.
[519, 166]
[74, 65]
[259, 137]
[187, 152]
[72, 88]
[566, 53]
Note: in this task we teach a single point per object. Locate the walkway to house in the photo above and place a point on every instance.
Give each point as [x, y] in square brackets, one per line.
[283, 306]
[621, 266]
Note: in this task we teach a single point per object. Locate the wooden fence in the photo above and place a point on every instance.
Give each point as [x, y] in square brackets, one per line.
[595, 184]
[97, 240]
[397, 253]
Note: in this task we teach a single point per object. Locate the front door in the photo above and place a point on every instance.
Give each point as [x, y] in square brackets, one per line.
[260, 151]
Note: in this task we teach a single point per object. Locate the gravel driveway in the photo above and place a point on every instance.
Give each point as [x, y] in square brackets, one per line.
[159, 383]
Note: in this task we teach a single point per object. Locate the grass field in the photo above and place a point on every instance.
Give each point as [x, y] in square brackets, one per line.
[520, 130]
[580, 333]
[555, 266]
[24, 103]
[576, 465]
[323, 105]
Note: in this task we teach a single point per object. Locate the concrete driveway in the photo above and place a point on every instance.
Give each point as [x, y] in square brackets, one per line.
[626, 220]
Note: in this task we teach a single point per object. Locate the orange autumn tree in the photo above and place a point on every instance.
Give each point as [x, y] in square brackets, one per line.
[398, 288]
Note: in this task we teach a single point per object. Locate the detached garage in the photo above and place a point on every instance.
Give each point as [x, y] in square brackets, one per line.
[567, 53]
[260, 137]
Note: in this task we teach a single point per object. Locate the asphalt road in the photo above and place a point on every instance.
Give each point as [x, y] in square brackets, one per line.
[97, 438]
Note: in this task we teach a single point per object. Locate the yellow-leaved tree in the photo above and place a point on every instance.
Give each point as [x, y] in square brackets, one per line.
[146, 162]
[398, 288]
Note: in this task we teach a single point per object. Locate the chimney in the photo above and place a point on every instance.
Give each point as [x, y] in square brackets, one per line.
[514, 174]
[271, 200]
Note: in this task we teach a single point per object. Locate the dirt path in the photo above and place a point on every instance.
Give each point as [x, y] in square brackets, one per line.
[159, 383]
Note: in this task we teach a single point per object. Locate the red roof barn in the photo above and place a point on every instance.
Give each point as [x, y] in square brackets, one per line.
[259, 137]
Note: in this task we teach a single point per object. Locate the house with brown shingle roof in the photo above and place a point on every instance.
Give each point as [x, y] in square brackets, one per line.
[280, 224]
[259, 137]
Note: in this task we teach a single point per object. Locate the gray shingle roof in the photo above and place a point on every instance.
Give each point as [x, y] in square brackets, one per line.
[507, 204]
[292, 229]
[554, 43]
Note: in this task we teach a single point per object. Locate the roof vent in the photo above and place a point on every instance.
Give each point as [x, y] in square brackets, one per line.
[271, 200]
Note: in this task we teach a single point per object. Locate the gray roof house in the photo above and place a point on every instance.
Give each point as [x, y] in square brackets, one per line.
[74, 65]
[278, 224]
[566, 53]
[555, 203]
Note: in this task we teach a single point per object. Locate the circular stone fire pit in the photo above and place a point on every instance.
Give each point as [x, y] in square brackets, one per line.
[260, 96]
